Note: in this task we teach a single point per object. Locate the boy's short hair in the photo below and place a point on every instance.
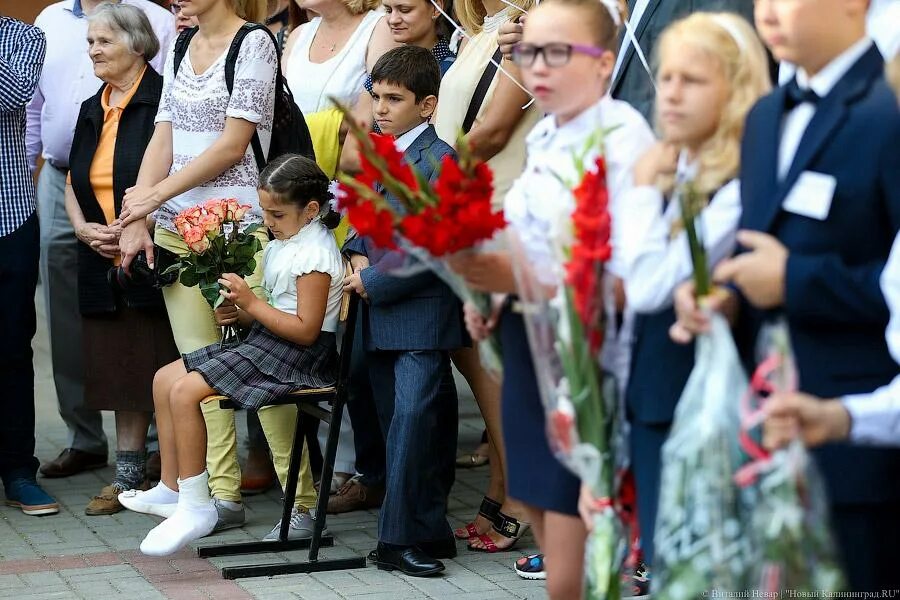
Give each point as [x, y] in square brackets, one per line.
[412, 67]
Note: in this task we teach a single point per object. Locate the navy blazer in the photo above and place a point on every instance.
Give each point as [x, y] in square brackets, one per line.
[834, 306]
[415, 312]
[632, 83]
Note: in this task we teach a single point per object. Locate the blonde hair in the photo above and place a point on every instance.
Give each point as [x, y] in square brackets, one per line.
[358, 7]
[892, 70]
[471, 13]
[254, 11]
[599, 19]
[734, 44]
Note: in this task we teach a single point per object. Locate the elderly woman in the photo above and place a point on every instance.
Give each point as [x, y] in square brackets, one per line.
[113, 130]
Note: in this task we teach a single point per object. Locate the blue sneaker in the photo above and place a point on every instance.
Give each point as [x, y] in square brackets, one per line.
[25, 493]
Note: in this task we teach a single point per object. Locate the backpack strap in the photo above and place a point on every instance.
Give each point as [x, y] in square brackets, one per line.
[481, 91]
[231, 61]
[181, 46]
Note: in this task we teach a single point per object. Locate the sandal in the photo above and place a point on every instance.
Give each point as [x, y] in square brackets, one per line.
[531, 567]
[471, 461]
[506, 526]
[490, 510]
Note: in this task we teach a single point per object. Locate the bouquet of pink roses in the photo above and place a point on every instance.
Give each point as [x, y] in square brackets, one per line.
[216, 244]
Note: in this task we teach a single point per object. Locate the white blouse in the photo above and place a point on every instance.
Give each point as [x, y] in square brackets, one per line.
[312, 249]
[342, 76]
[656, 261]
[197, 105]
[540, 204]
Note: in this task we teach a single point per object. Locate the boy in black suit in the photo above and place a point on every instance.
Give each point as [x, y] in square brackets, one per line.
[820, 188]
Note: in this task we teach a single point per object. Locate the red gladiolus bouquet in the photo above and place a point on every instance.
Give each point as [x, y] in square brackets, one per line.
[566, 335]
[390, 202]
[216, 244]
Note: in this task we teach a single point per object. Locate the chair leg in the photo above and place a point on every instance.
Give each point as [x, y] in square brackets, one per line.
[282, 544]
[290, 486]
[334, 429]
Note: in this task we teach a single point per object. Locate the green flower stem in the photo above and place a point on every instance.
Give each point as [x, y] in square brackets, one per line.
[691, 205]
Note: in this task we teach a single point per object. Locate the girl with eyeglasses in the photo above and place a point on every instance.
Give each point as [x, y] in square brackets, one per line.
[566, 60]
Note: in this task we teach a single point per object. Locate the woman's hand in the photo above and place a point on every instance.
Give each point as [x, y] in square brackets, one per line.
[237, 291]
[102, 239]
[140, 201]
[661, 159]
[510, 34]
[135, 238]
[226, 314]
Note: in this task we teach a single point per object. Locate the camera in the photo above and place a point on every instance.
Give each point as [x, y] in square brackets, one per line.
[142, 275]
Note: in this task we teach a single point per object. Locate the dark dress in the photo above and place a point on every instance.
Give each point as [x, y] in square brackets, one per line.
[126, 334]
[534, 475]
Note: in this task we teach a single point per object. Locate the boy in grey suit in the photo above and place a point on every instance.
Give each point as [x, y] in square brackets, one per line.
[410, 324]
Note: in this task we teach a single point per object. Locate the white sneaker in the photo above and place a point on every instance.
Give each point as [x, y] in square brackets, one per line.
[158, 500]
[301, 527]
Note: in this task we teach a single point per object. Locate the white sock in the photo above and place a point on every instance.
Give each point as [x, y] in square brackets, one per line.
[159, 500]
[160, 494]
[194, 518]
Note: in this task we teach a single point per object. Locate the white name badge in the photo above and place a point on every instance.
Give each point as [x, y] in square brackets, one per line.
[811, 196]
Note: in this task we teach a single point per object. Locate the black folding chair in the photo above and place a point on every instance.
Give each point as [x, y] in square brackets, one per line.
[311, 402]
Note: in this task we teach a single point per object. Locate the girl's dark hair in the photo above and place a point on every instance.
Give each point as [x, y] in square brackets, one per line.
[295, 179]
[444, 28]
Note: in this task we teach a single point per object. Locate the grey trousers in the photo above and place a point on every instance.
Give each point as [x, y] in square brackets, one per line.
[59, 279]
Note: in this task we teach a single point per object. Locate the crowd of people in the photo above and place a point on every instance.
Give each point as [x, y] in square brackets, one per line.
[780, 112]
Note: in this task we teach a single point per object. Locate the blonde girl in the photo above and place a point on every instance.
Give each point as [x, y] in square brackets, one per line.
[712, 69]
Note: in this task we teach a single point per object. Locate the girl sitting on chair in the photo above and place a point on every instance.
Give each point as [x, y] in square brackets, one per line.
[291, 344]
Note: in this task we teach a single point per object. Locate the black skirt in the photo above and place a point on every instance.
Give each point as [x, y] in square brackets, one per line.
[534, 475]
[264, 367]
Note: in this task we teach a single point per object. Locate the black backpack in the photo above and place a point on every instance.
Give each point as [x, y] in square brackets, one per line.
[290, 135]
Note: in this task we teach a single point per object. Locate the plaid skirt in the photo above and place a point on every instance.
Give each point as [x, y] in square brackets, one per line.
[264, 366]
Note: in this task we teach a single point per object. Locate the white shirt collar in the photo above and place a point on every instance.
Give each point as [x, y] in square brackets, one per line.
[548, 131]
[686, 170]
[406, 140]
[824, 81]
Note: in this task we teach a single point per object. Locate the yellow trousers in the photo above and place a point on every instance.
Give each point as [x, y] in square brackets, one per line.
[194, 326]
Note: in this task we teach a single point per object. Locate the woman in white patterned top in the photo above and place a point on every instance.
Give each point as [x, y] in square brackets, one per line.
[200, 149]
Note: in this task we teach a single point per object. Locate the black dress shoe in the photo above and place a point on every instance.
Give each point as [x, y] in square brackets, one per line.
[409, 560]
[445, 548]
[71, 462]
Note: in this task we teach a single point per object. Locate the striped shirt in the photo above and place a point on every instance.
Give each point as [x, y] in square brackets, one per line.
[22, 49]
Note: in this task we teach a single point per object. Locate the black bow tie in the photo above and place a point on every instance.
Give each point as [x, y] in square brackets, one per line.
[796, 96]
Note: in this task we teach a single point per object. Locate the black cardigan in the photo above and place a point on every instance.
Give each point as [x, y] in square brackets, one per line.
[95, 296]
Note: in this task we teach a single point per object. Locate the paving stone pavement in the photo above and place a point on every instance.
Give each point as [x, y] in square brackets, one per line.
[71, 555]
